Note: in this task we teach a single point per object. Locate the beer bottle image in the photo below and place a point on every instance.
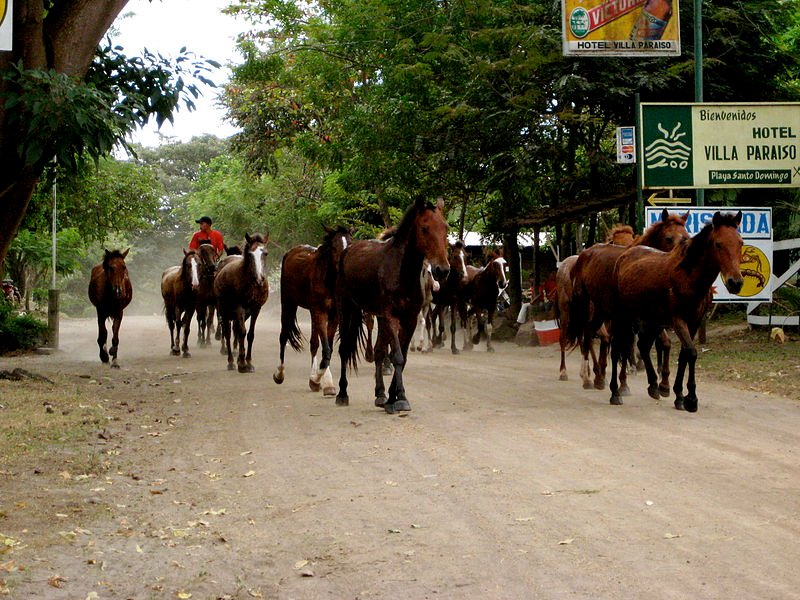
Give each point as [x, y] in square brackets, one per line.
[652, 20]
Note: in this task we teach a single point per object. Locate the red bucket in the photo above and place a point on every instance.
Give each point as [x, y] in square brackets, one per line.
[547, 332]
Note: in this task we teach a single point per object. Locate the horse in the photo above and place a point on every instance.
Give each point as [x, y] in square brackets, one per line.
[428, 285]
[308, 280]
[482, 291]
[620, 235]
[206, 302]
[241, 288]
[179, 285]
[449, 295]
[659, 289]
[381, 277]
[591, 303]
[110, 291]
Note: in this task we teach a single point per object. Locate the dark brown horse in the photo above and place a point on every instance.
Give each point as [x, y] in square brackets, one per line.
[481, 293]
[206, 301]
[241, 288]
[620, 235]
[449, 295]
[110, 291]
[592, 301]
[382, 278]
[179, 285]
[308, 280]
[658, 289]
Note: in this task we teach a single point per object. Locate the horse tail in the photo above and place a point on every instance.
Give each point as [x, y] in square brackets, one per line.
[290, 329]
[578, 307]
[352, 334]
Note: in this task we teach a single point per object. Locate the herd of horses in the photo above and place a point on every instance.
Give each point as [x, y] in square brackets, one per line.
[411, 275]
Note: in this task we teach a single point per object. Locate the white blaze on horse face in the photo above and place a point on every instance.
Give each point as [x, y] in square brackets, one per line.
[502, 263]
[258, 254]
[344, 242]
[195, 274]
[463, 266]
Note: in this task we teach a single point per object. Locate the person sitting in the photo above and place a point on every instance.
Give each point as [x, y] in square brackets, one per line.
[207, 235]
[541, 300]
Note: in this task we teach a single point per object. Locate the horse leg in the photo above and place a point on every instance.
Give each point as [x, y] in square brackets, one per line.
[369, 353]
[401, 332]
[621, 340]
[646, 339]
[453, 347]
[116, 321]
[663, 347]
[102, 336]
[380, 357]
[187, 325]
[316, 374]
[350, 320]
[328, 388]
[600, 362]
[489, 329]
[587, 348]
[174, 348]
[251, 335]
[279, 374]
[201, 325]
[226, 340]
[476, 337]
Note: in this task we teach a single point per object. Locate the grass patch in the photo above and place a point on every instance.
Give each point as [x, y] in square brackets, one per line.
[39, 420]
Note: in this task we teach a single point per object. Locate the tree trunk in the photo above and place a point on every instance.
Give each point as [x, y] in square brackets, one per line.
[64, 39]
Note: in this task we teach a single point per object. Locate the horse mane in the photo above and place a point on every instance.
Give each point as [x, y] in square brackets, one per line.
[694, 249]
[111, 255]
[619, 229]
[387, 233]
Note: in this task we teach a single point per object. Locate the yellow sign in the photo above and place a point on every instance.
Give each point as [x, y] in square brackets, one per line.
[621, 27]
[756, 271]
[653, 201]
[6, 19]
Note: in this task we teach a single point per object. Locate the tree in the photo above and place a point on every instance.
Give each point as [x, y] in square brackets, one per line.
[62, 96]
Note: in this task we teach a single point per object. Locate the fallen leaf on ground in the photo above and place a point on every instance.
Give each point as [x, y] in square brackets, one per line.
[671, 536]
[57, 581]
[566, 541]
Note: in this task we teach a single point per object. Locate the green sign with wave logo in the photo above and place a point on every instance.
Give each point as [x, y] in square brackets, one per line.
[667, 146]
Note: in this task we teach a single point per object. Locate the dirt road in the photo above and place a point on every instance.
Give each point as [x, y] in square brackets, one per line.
[502, 483]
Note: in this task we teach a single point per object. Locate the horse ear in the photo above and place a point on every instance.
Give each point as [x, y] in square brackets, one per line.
[124, 254]
[664, 214]
[248, 239]
[184, 251]
[108, 253]
[327, 229]
[715, 220]
[685, 216]
[738, 218]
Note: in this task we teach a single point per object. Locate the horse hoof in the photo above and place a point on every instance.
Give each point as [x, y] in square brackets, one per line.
[455, 351]
[490, 349]
[401, 405]
[563, 377]
[342, 401]
[380, 401]
[231, 367]
[187, 354]
[329, 391]
[599, 385]
[652, 391]
[690, 404]
[624, 390]
[114, 365]
[663, 391]
[412, 348]
[277, 378]
[313, 385]
[174, 352]
[246, 369]
[587, 385]
[679, 404]
[616, 400]
[104, 358]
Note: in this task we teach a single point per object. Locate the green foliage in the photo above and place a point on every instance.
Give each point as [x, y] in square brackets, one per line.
[19, 332]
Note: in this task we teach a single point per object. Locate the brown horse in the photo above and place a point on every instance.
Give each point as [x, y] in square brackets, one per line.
[481, 293]
[110, 291]
[206, 302]
[659, 289]
[449, 295]
[308, 280]
[382, 278]
[620, 235]
[179, 285]
[241, 288]
[592, 299]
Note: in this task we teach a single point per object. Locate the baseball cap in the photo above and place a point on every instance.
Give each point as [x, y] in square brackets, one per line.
[204, 220]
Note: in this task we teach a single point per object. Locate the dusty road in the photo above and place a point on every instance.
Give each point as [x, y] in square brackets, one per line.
[502, 483]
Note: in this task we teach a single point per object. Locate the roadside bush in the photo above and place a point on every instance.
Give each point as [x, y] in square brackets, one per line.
[19, 332]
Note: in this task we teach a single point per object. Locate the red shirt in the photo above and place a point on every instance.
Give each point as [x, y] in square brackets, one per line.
[212, 235]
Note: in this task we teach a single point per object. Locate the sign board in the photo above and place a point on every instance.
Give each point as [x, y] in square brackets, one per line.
[620, 28]
[756, 232]
[731, 145]
[626, 145]
[6, 20]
